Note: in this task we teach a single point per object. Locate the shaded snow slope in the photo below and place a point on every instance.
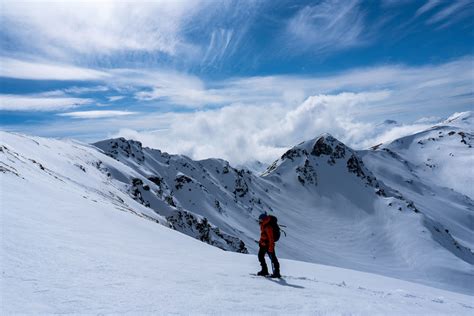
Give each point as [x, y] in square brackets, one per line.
[73, 249]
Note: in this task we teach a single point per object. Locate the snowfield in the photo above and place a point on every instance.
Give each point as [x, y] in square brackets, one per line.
[62, 253]
[117, 228]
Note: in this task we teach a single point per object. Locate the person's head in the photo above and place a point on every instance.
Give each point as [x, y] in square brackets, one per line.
[262, 217]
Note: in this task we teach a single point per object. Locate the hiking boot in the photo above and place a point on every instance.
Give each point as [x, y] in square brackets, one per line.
[275, 274]
[262, 273]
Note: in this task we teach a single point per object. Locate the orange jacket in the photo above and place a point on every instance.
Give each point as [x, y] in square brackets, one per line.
[266, 235]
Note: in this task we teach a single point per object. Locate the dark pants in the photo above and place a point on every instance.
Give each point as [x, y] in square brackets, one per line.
[261, 257]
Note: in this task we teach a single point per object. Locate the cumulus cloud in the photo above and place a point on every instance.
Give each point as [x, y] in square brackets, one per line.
[323, 113]
[243, 133]
[9, 102]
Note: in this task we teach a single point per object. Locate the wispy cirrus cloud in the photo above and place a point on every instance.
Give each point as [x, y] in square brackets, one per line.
[10, 102]
[452, 13]
[187, 33]
[99, 27]
[114, 98]
[330, 25]
[428, 6]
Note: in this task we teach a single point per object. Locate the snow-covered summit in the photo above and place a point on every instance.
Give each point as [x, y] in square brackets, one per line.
[460, 119]
[443, 154]
[324, 160]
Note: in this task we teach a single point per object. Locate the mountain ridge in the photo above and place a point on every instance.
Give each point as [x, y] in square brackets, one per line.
[339, 207]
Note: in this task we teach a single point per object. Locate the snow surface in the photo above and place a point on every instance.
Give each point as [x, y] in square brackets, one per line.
[62, 253]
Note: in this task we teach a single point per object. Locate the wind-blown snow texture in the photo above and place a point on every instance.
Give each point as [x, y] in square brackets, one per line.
[81, 233]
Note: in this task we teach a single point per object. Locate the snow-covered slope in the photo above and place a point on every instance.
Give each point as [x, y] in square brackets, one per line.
[336, 211]
[210, 189]
[442, 155]
[340, 207]
[344, 216]
[79, 247]
[435, 169]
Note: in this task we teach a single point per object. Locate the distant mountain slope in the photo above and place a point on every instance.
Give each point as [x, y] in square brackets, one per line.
[442, 155]
[435, 169]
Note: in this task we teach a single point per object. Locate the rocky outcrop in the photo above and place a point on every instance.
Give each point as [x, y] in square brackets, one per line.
[201, 229]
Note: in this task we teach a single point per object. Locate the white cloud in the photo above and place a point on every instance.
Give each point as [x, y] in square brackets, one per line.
[323, 113]
[263, 116]
[390, 134]
[242, 133]
[100, 27]
[232, 133]
[327, 26]
[37, 70]
[10, 102]
[173, 87]
[429, 5]
[115, 98]
[429, 120]
[80, 90]
[95, 114]
[450, 13]
[182, 34]
[218, 44]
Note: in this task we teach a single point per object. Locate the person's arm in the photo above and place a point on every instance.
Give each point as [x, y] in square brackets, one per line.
[271, 240]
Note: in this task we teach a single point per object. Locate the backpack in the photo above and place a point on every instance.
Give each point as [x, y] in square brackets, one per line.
[276, 229]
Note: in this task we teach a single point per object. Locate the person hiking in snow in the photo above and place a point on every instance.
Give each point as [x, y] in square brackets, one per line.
[267, 245]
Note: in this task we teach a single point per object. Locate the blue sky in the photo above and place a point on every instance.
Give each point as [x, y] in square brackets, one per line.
[240, 80]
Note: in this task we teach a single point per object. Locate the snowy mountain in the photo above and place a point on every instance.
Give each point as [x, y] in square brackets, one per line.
[383, 211]
[68, 249]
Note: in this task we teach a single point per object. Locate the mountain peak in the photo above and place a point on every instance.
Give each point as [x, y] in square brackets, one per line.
[115, 147]
[460, 118]
[310, 155]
